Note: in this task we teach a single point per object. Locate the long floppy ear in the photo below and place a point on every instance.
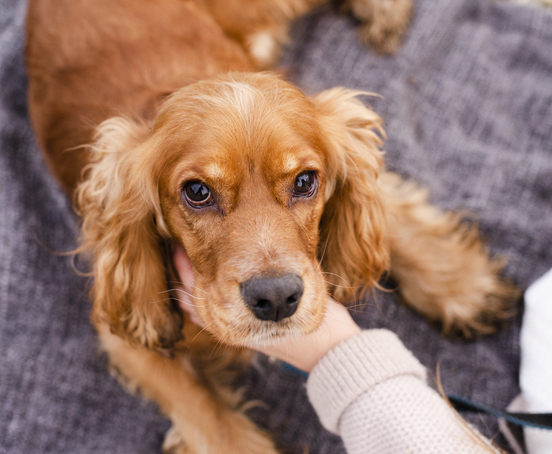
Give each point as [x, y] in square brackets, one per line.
[353, 248]
[124, 230]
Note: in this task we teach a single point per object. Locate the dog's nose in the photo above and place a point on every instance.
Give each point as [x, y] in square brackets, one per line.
[273, 298]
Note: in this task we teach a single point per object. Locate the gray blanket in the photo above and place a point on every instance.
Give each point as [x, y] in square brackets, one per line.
[467, 104]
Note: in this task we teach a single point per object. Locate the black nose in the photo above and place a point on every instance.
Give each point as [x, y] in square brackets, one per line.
[273, 298]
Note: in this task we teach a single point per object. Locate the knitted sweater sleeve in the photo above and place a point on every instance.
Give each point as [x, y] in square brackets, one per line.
[372, 392]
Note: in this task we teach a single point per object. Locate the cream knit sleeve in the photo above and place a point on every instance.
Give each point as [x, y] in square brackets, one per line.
[372, 392]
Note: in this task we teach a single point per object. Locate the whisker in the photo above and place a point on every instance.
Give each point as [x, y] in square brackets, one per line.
[356, 306]
[183, 291]
[202, 329]
[218, 346]
[337, 320]
[340, 277]
[193, 286]
[325, 247]
[187, 303]
[304, 229]
[348, 285]
[340, 286]
[168, 299]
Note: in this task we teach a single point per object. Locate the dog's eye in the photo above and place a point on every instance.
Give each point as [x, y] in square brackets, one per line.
[305, 184]
[197, 194]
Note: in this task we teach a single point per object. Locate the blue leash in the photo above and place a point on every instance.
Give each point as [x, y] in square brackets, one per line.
[460, 403]
[289, 368]
[535, 420]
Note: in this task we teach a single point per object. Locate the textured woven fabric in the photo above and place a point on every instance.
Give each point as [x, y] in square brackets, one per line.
[371, 390]
[353, 367]
[467, 104]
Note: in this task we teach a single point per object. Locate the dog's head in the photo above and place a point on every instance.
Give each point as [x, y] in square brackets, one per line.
[272, 194]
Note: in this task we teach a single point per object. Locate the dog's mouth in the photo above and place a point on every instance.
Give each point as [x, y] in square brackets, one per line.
[263, 310]
[261, 334]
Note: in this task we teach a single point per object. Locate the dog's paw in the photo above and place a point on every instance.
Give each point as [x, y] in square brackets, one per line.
[131, 386]
[443, 268]
[383, 22]
[463, 293]
[264, 48]
[174, 443]
[231, 433]
[487, 302]
[244, 436]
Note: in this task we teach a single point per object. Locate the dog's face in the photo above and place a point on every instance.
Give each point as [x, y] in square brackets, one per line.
[243, 191]
[266, 189]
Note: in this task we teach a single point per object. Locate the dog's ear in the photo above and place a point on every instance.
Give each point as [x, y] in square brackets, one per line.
[124, 230]
[353, 249]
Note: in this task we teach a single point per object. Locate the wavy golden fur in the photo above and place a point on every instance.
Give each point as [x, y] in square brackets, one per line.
[168, 94]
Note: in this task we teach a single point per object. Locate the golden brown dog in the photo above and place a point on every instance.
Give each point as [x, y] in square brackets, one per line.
[278, 198]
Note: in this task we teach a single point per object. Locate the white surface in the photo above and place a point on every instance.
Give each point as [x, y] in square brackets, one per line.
[536, 360]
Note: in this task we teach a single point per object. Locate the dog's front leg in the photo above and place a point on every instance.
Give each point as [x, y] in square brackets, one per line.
[442, 267]
[202, 423]
[260, 25]
[383, 22]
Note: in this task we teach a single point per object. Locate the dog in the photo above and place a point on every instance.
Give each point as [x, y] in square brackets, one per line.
[278, 198]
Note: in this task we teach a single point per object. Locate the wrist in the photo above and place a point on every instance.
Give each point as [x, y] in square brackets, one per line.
[305, 351]
[330, 341]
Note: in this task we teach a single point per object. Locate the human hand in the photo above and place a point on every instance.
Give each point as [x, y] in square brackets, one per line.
[302, 351]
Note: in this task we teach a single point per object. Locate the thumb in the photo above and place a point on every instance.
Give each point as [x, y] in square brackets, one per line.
[185, 291]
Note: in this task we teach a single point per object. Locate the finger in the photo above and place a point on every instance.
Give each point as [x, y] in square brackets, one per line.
[338, 312]
[304, 351]
[186, 274]
[187, 304]
[183, 266]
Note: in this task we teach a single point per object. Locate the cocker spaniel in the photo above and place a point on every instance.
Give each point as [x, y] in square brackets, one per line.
[278, 198]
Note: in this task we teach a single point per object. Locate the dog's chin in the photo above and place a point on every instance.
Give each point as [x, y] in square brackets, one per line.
[265, 337]
[248, 331]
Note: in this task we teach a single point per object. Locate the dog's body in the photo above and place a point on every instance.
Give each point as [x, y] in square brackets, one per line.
[264, 187]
